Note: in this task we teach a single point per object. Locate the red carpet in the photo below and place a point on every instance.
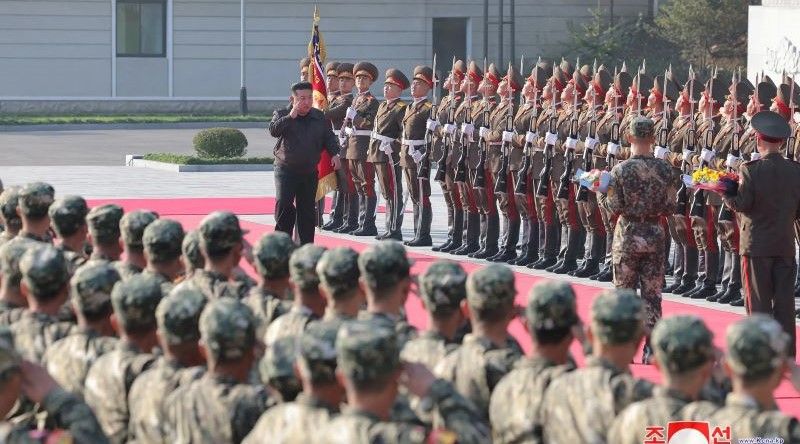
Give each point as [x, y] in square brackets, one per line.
[717, 321]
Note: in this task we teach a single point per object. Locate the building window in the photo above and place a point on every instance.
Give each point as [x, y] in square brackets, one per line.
[141, 28]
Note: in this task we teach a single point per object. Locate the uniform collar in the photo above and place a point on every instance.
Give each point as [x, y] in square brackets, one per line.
[745, 401]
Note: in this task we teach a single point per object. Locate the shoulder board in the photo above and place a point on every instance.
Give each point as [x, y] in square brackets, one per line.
[401, 104]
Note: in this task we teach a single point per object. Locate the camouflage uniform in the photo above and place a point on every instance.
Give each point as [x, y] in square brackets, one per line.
[132, 226]
[218, 408]
[338, 275]
[641, 192]
[301, 421]
[9, 199]
[110, 378]
[516, 402]
[303, 272]
[69, 359]
[272, 254]
[478, 364]
[581, 405]
[67, 216]
[162, 241]
[682, 344]
[103, 224]
[177, 315]
[44, 272]
[34, 201]
[757, 346]
[367, 351]
[68, 413]
[10, 254]
[277, 368]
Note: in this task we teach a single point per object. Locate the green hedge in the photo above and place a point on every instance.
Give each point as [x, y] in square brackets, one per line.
[183, 159]
[215, 143]
[133, 118]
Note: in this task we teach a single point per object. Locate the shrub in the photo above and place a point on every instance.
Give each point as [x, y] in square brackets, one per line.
[184, 159]
[216, 143]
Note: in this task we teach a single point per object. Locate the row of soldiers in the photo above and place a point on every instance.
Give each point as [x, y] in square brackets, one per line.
[181, 349]
[500, 161]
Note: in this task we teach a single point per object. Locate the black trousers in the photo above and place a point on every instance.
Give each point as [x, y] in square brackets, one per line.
[295, 194]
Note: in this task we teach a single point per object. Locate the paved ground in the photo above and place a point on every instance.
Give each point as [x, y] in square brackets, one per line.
[107, 147]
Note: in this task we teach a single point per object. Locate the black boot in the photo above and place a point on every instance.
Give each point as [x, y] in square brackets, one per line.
[350, 223]
[492, 236]
[597, 253]
[368, 228]
[738, 302]
[458, 232]
[469, 243]
[647, 352]
[531, 248]
[716, 296]
[704, 293]
[502, 241]
[570, 256]
[548, 256]
[690, 267]
[451, 210]
[510, 248]
[423, 238]
[416, 212]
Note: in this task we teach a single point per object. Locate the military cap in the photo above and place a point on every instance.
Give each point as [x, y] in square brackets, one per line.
[665, 89]
[579, 82]
[366, 68]
[493, 74]
[459, 69]
[771, 126]
[717, 90]
[642, 83]
[91, 287]
[559, 78]
[642, 127]
[384, 264]
[220, 231]
[491, 287]
[538, 77]
[514, 78]
[566, 67]
[397, 78]
[551, 306]
[303, 266]
[332, 69]
[279, 359]
[68, 214]
[345, 70]
[682, 343]
[623, 82]
[602, 81]
[304, 62]
[617, 316]
[132, 226]
[44, 269]
[786, 99]
[9, 358]
[768, 79]
[178, 315]
[338, 271]
[191, 249]
[693, 89]
[367, 350]
[443, 285]
[475, 72]
[162, 240]
[227, 328]
[318, 351]
[743, 90]
[35, 199]
[587, 72]
[765, 92]
[757, 345]
[424, 73]
[272, 254]
[10, 254]
[135, 301]
[9, 199]
[103, 223]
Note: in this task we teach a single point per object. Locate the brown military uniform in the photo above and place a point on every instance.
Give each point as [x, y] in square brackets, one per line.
[545, 205]
[362, 172]
[452, 198]
[526, 203]
[414, 123]
[387, 131]
[345, 202]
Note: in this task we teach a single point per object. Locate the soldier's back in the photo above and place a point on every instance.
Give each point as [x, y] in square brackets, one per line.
[300, 421]
[290, 324]
[215, 285]
[630, 426]
[405, 331]
[357, 427]
[35, 332]
[429, 348]
[746, 419]
[69, 360]
[266, 306]
[10, 313]
[127, 270]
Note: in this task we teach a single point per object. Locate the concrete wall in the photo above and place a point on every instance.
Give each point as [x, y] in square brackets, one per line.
[774, 39]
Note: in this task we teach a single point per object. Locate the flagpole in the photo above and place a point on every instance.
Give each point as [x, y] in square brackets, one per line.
[243, 89]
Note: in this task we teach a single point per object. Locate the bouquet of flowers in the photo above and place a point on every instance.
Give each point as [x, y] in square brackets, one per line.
[595, 180]
[712, 180]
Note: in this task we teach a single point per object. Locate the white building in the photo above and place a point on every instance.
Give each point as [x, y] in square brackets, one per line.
[773, 39]
[113, 55]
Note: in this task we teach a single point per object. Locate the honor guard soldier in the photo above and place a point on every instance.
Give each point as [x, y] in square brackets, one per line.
[334, 92]
[336, 112]
[415, 154]
[444, 151]
[384, 151]
[358, 125]
[304, 62]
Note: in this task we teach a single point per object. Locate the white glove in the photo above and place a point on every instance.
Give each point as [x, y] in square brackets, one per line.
[482, 132]
[707, 155]
[468, 129]
[350, 114]
[571, 143]
[660, 152]
[530, 137]
[349, 131]
[687, 155]
[431, 125]
[342, 140]
[449, 128]
[508, 136]
[416, 155]
[591, 143]
[386, 147]
[731, 161]
[612, 148]
[550, 138]
[755, 156]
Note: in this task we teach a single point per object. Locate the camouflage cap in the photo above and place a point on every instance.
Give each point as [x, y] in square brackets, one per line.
[617, 316]
[133, 224]
[162, 240]
[135, 301]
[92, 285]
[303, 266]
[191, 249]
[338, 270]
[227, 328]
[35, 198]
[757, 345]
[68, 214]
[10, 254]
[220, 231]
[9, 358]
[178, 315]
[104, 223]
[384, 265]
[443, 285]
[491, 287]
[642, 127]
[278, 361]
[551, 306]
[44, 269]
[9, 200]
[367, 350]
[682, 343]
[318, 351]
[272, 254]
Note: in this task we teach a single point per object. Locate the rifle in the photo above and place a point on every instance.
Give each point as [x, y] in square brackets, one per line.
[569, 151]
[682, 200]
[663, 135]
[461, 168]
[588, 150]
[483, 145]
[424, 166]
[611, 154]
[552, 129]
[699, 202]
[791, 140]
[522, 176]
[725, 213]
[501, 183]
[448, 139]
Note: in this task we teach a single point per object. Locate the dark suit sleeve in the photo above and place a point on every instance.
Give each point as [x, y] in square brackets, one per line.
[280, 121]
[331, 141]
[743, 201]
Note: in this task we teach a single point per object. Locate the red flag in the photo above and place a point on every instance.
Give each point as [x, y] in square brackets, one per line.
[316, 74]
